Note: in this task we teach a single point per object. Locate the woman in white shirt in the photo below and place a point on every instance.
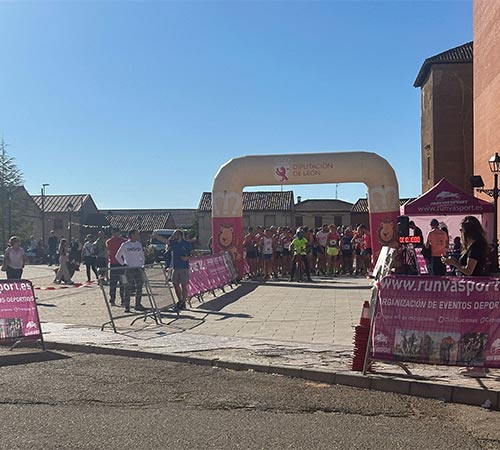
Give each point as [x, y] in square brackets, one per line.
[14, 259]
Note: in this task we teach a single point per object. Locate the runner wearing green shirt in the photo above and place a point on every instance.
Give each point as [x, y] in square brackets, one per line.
[299, 249]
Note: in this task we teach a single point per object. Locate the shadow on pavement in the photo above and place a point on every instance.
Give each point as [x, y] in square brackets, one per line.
[28, 358]
[219, 303]
[313, 285]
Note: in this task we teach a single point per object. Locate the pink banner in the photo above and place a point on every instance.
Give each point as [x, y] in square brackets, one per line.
[18, 312]
[438, 320]
[207, 273]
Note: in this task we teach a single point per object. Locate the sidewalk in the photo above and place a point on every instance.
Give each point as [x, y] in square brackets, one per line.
[302, 330]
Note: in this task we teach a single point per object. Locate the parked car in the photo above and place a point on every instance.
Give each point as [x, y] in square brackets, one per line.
[157, 247]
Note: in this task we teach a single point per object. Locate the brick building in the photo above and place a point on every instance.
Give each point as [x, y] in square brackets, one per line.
[446, 82]
[486, 87]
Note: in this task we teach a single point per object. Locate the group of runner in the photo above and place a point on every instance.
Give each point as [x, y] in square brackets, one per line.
[327, 250]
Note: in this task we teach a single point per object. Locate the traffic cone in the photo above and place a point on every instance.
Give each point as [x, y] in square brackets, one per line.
[365, 315]
[361, 336]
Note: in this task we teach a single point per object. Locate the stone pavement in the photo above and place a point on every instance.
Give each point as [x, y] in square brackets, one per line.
[295, 329]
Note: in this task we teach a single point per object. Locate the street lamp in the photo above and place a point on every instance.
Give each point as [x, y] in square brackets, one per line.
[477, 182]
[44, 185]
[70, 210]
[494, 163]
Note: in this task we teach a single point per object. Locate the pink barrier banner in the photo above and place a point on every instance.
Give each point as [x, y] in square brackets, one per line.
[18, 312]
[438, 320]
[207, 273]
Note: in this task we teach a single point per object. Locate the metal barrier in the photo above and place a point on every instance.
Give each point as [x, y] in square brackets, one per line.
[207, 273]
[129, 287]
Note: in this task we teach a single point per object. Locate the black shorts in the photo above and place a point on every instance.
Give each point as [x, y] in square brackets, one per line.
[286, 252]
[101, 262]
[251, 254]
[277, 254]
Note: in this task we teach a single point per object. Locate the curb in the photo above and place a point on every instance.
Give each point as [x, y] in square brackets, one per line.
[418, 388]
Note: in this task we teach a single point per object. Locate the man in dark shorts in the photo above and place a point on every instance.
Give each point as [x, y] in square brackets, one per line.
[180, 250]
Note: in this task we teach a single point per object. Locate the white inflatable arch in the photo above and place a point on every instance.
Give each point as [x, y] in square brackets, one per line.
[308, 168]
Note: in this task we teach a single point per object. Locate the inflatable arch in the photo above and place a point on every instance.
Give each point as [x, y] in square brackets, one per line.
[308, 168]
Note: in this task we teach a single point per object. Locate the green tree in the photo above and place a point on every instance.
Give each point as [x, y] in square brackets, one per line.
[11, 178]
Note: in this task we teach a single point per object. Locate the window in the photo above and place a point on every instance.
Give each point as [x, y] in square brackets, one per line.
[299, 221]
[337, 220]
[269, 221]
[318, 221]
[58, 224]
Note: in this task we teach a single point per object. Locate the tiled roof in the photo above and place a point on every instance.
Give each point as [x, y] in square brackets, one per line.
[323, 205]
[60, 203]
[361, 206]
[255, 201]
[183, 217]
[461, 54]
[140, 221]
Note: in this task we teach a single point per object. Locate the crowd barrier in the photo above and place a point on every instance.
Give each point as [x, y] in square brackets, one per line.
[437, 320]
[156, 293]
[206, 274]
[210, 272]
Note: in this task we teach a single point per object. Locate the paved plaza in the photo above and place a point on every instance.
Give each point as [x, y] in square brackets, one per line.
[305, 327]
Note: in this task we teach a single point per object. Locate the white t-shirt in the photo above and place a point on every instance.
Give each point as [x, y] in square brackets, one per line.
[267, 246]
[15, 258]
[130, 254]
[322, 238]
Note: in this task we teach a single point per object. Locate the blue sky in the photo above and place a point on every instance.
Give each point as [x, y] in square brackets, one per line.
[140, 103]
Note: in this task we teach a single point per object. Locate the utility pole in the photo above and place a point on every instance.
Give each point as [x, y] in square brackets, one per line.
[44, 185]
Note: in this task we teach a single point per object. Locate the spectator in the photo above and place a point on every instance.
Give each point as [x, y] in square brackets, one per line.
[63, 275]
[115, 269]
[88, 257]
[14, 259]
[437, 240]
[101, 255]
[52, 242]
[472, 261]
[416, 232]
[131, 255]
[75, 252]
[180, 251]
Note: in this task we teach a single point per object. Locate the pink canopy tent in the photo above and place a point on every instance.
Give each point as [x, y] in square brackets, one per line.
[448, 204]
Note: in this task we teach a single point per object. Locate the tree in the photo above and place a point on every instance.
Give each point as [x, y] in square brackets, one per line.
[11, 178]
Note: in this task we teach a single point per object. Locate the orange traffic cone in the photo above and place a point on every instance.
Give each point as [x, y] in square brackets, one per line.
[365, 315]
